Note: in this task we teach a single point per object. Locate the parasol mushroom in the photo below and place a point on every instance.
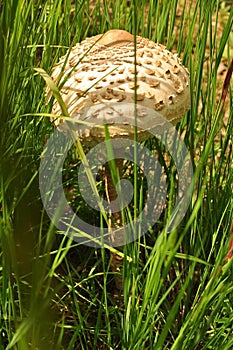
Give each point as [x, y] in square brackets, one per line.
[105, 70]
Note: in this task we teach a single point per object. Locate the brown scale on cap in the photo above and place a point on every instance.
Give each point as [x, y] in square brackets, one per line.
[114, 38]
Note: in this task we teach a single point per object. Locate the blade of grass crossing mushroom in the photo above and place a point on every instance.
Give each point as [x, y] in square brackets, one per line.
[55, 91]
[53, 87]
[113, 174]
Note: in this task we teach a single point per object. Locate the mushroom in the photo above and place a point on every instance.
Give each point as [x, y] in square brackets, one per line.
[105, 70]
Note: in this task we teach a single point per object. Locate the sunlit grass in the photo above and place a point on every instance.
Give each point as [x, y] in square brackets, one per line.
[58, 294]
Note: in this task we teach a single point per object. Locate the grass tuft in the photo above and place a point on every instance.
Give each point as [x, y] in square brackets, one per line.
[177, 286]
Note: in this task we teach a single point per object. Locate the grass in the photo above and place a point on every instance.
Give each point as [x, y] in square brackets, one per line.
[56, 293]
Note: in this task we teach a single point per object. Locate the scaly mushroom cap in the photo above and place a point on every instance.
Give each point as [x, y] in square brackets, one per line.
[100, 71]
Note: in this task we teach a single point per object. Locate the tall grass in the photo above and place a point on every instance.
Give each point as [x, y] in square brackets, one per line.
[57, 294]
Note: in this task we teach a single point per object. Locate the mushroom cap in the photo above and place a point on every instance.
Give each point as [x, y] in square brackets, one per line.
[104, 74]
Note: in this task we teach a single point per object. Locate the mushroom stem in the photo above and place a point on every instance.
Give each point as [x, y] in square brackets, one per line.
[115, 220]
